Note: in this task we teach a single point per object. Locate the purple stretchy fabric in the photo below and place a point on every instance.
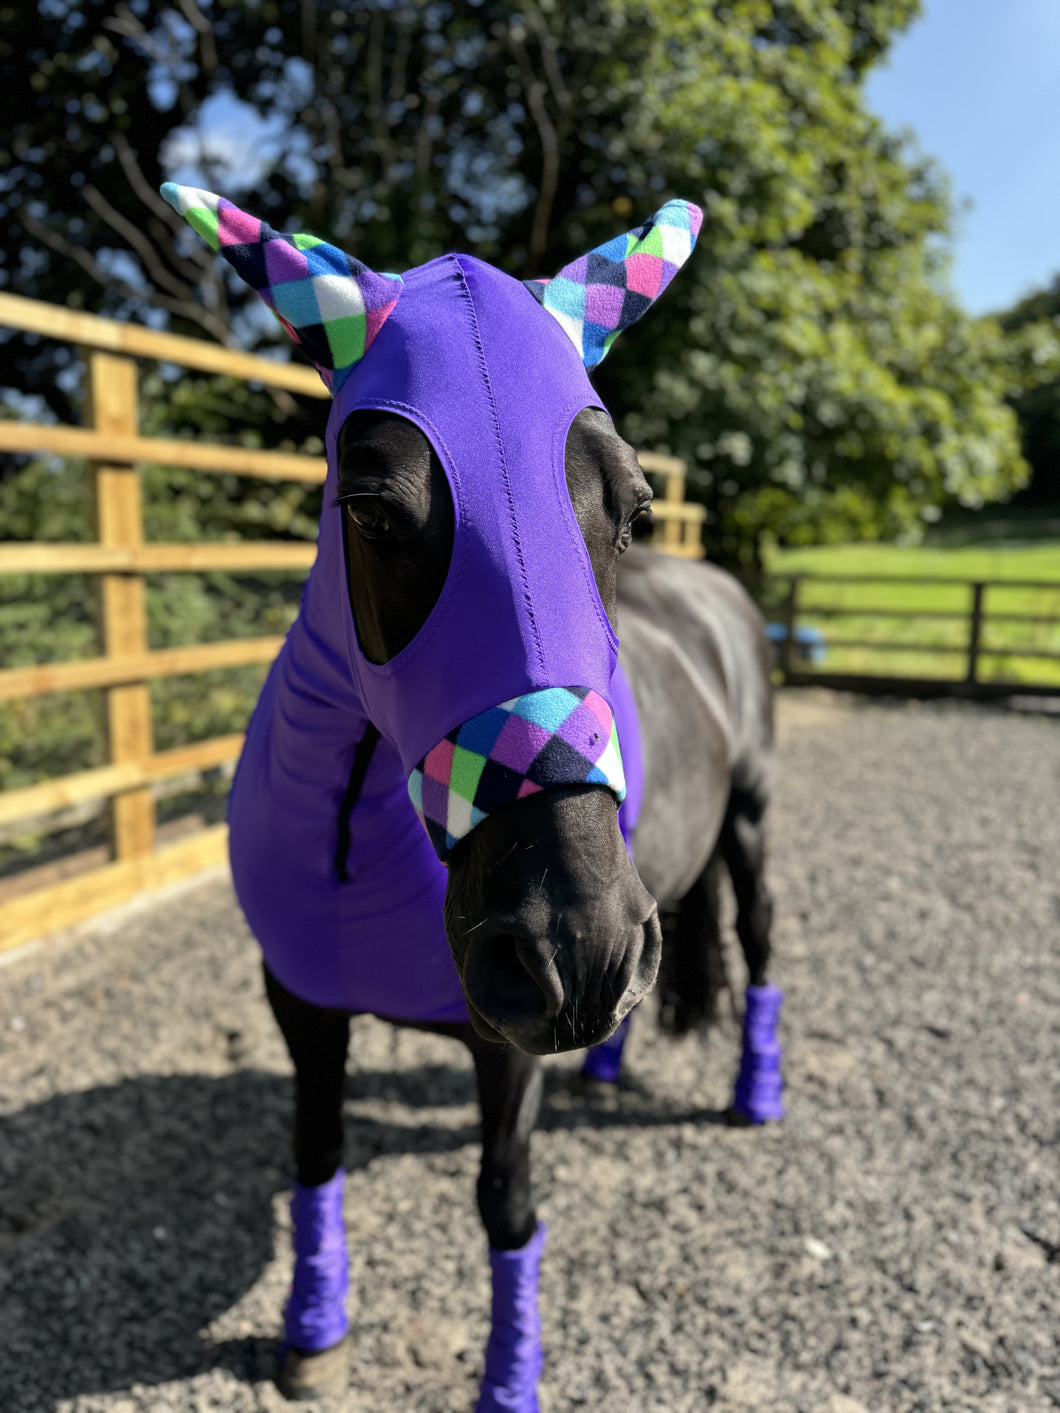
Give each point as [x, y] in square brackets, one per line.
[514, 1358]
[315, 1317]
[760, 1083]
[604, 1061]
[466, 350]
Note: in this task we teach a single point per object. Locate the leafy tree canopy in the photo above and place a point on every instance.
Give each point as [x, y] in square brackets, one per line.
[1034, 325]
[809, 363]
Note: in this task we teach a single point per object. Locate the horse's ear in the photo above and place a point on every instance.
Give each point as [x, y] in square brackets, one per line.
[602, 293]
[329, 303]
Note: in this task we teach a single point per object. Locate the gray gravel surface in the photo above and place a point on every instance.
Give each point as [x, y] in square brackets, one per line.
[895, 1244]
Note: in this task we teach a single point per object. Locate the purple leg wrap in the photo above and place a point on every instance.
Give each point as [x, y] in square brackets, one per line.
[514, 1358]
[604, 1061]
[315, 1317]
[760, 1084]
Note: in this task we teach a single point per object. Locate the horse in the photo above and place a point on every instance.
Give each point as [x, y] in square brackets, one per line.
[444, 780]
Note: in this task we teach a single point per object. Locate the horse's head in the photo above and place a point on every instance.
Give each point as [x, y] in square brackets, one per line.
[479, 498]
[552, 932]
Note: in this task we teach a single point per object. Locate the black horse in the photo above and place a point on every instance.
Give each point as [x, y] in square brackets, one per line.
[554, 934]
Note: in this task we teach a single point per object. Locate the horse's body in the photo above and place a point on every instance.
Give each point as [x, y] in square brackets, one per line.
[477, 503]
[698, 663]
[696, 655]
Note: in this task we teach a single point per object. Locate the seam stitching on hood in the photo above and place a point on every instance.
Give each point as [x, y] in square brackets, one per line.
[525, 583]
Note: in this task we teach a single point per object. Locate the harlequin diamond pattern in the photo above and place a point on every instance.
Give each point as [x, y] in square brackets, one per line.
[558, 736]
[602, 293]
[328, 302]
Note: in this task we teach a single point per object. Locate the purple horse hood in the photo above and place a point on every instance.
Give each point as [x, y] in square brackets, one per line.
[494, 384]
[507, 687]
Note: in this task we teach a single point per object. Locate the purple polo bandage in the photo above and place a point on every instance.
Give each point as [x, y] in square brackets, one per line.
[514, 1359]
[604, 1061]
[315, 1317]
[760, 1084]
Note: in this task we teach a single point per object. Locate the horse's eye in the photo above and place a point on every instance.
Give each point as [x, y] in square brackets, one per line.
[368, 518]
[642, 516]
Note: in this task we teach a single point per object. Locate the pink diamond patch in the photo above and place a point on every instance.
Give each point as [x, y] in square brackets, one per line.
[644, 274]
[235, 227]
[439, 762]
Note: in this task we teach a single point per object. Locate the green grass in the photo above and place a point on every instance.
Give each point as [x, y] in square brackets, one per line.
[934, 645]
[1010, 560]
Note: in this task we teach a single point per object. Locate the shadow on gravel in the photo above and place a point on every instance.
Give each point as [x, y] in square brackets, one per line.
[133, 1215]
[569, 1103]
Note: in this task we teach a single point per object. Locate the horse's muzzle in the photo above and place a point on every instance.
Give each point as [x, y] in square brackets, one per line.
[517, 991]
[553, 933]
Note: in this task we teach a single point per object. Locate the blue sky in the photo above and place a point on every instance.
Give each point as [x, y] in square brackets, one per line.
[978, 81]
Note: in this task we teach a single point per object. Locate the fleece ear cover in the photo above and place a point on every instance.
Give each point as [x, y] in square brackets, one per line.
[600, 294]
[327, 301]
[334, 306]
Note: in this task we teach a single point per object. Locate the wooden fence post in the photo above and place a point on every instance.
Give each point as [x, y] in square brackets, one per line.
[975, 632]
[791, 613]
[673, 530]
[112, 393]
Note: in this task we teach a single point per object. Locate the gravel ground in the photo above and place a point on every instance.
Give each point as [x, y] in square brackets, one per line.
[894, 1245]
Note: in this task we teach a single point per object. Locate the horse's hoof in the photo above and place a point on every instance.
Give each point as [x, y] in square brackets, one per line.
[303, 1377]
[584, 1085]
[735, 1119]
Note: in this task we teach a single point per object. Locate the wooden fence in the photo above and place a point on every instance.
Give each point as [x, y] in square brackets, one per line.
[122, 559]
[971, 643]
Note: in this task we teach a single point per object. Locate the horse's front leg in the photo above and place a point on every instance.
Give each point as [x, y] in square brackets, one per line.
[509, 1086]
[315, 1357]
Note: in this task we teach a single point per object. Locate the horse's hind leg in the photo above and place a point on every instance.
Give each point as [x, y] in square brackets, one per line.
[759, 1085]
[509, 1086]
[742, 846]
[694, 964]
[315, 1358]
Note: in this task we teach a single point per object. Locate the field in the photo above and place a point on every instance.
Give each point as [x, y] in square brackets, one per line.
[922, 629]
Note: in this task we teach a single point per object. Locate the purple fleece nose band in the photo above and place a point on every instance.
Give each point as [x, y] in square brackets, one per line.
[558, 736]
[315, 1317]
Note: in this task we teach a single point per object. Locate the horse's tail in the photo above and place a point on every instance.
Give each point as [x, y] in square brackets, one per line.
[693, 973]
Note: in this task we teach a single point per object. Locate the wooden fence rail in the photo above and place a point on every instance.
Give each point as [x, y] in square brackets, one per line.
[120, 559]
[805, 651]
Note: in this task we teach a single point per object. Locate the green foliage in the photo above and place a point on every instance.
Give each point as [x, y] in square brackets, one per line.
[809, 362]
[1033, 326]
[813, 371]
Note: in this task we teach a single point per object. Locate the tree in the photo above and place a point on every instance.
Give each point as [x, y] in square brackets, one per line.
[1036, 321]
[809, 363]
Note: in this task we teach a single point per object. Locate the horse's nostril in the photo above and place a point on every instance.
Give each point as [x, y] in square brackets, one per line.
[507, 980]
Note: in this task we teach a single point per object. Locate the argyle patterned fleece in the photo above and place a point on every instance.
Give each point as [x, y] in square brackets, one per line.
[602, 293]
[327, 301]
[558, 736]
